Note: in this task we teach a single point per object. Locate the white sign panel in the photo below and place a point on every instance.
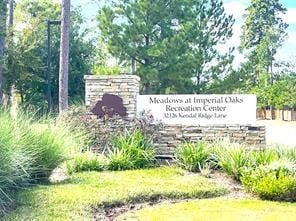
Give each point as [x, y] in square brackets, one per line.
[200, 109]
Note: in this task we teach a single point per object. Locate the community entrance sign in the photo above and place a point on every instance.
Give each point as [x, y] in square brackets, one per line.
[200, 109]
[185, 117]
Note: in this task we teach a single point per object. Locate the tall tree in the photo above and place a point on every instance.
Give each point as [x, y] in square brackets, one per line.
[171, 42]
[27, 71]
[3, 17]
[64, 56]
[263, 34]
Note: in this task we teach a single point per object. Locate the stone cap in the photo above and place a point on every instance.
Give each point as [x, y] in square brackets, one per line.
[121, 76]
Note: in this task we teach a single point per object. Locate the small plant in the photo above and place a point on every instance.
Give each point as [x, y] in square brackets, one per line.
[276, 181]
[262, 157]
[206, 170]
[193, 156]
[132, 150]
[232, 158]
[86, 162]
[119, 159]
[288, 153]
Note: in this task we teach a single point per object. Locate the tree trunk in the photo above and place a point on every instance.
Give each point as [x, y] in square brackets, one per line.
[147, 88]
[197, 91]
[3, 14]
[11, 11]
[133, 66]
[64, 56]
[10, 45]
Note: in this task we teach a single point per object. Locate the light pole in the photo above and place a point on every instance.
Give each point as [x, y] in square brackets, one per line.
[49, 98]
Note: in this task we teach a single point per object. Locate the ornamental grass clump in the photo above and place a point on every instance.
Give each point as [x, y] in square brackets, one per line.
[86, 162]
[288, 153]
[262, 157]
[131, 150]
[193, 156]
[29, 152]
[231, 158]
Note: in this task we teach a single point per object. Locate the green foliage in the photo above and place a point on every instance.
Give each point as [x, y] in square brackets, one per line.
[165, 39]
[3, 17]
[231, 158]
[86, 162]
[288, 153]
[263, 34]
[193, 156]
[27, 53]
[276, 181]
[28, 153]
[105, 70]
[119, 160]
[76, 120]
[262, 157]
[97, 131]
[131, 150]
[281, 94]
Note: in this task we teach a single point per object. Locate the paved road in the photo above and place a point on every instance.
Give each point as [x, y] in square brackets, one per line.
[280, 132]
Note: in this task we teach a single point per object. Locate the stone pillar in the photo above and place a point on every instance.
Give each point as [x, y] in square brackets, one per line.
[125, 86]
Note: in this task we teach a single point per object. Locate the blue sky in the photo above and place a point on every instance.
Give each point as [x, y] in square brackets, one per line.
[235, 7]
[288, 50]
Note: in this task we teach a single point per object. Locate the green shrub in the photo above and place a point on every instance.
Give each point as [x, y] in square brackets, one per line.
[262, 157]
[231, 158]
[28, 153]
[288, 153]
[100, 130]
[16, 163]
[193, 156]
[132, 150]
[119, 159]
[86, 162]
[276, 181]
[51, 146]
[76, 120]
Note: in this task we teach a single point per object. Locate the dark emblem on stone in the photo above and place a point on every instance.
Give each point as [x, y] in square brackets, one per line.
[109, 105]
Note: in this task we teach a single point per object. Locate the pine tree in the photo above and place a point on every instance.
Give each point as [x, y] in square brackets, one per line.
[169, 42]
[263, 33]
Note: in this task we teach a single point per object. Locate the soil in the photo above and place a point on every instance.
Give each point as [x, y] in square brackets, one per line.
[234, 187]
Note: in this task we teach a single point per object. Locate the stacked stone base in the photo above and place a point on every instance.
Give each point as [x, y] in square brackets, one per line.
[171, 136]
[167, 138]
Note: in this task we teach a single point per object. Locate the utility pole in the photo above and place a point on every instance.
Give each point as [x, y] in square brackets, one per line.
[11, 10]
[64, 56]
[3, 14]
[48, 75]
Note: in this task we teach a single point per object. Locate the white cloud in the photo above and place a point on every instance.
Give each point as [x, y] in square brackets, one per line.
[291, 38]
[235, 8]
[290, 16]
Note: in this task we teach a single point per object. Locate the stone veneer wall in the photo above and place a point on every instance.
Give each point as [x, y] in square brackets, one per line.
[168, 137]
[125, 86]
[171, 136]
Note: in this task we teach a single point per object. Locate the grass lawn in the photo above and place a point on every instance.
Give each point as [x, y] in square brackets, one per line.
[216, 209]
[76, 198]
